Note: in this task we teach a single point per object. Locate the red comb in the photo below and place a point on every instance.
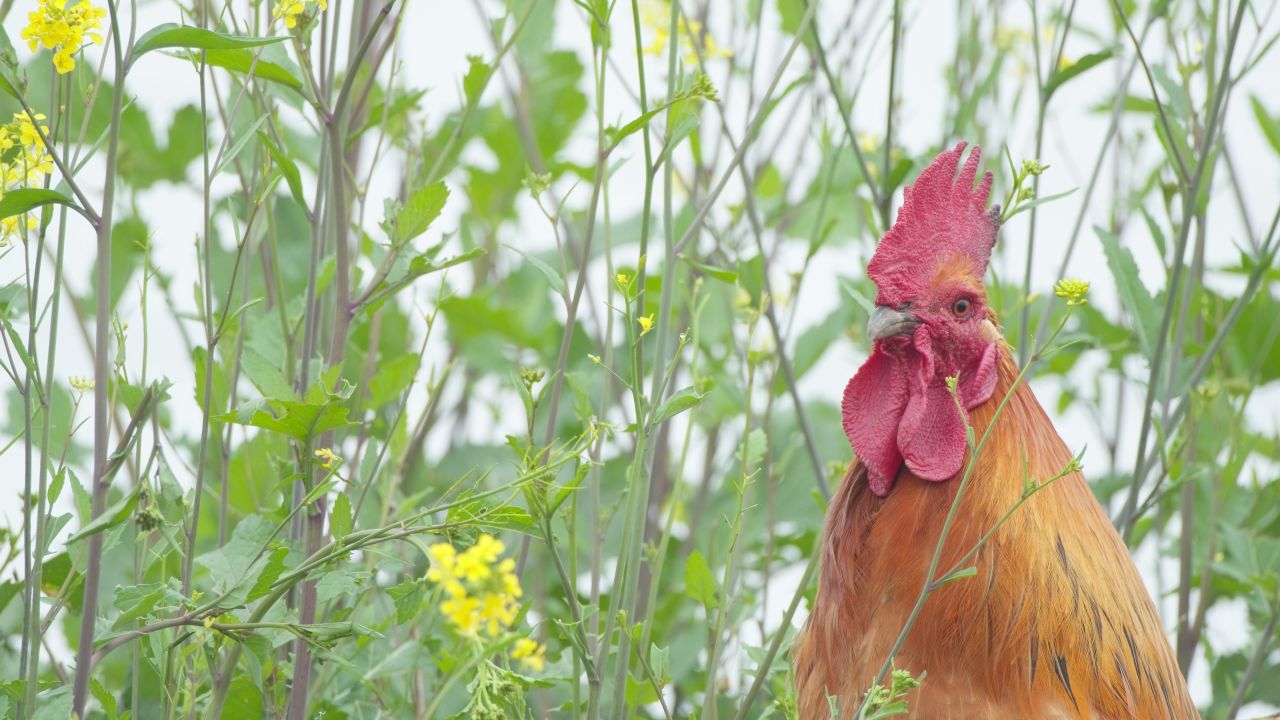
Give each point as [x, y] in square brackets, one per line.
[942, 216]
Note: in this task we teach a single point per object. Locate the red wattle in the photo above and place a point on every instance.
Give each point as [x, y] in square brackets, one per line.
[874, 401]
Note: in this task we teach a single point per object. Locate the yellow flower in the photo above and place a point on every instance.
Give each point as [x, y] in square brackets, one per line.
[868, 141]
[510, 581]
[472, 567]
[83, 384]
[1065, 63]
[646, 324]
[24, 162]
[530, 653]
[289, 10]
[463, 613]
[443, 570]
[498, 612]
[656, 15]
[208, 622]
[54, 26]
[1073, 291]
[327, 458]
[482, 587]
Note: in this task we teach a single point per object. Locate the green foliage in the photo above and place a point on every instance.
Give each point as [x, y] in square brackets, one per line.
[518, 395]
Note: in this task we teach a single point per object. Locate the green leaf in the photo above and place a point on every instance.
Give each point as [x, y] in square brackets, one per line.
[392, 378]
[295, 419]
[408, 598]
[553, 277]
[235, 568]
[110, 517]
[19, 346]
[172, 35]
[241, 60]
[1059, 77]
[1133, 294]
[1270, 126]
[104, 698]
[288, 168]
[720, 274]
[477, 77]
[1023, 207]
[266, 577]
[679, 401]
[422, 208]
[234, 151]
[244, 699]
[16, 202]
[699, 583]
[266, 376]
[957, 575]
[340, 517]
[53, 705]
[422, 265]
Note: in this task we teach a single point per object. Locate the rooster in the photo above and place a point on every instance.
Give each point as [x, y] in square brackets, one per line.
[1056, 623]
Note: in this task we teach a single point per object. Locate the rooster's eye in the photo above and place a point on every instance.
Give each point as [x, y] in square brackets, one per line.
[961, 307]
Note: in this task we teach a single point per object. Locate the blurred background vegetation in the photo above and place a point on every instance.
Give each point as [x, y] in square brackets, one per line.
[326, 293]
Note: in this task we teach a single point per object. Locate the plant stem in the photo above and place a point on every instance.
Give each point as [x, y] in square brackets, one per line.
[102, 380]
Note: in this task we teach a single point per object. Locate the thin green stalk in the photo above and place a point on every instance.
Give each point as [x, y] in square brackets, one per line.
[886, 193]
[762, 671]
[1260, 652]
[1129, 518]
[102, 380]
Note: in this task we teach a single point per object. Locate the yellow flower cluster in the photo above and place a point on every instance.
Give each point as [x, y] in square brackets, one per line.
[327, 458]
[657, 16]
[481, 588]
[289, 10]
[531, 653]
[63, 29]
[1073, 291]
[24, 162]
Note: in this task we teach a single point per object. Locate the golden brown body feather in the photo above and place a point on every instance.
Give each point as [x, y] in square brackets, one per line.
[1056, 623]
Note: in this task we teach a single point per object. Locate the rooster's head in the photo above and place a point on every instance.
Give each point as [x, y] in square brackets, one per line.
[931, 323]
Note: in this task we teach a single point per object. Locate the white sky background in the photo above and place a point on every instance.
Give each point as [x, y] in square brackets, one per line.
[440, 36]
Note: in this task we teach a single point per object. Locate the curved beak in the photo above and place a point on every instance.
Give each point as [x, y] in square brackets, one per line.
[888, 322]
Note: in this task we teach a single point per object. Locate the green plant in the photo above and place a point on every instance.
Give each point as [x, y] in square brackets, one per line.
[577, 308]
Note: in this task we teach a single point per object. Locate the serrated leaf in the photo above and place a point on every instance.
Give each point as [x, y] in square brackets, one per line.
[679, 401]
[477, 77]
[266, 376]
[340, 517]
[1133, 294]
[266, 577]
[699, 583]
[419, 211]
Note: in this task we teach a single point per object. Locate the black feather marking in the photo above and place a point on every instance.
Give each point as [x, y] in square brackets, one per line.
[1035, 657]
[1062, 556]
[1124, 673]
[1164, 692]
[1133, 650]
[1060, 669]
